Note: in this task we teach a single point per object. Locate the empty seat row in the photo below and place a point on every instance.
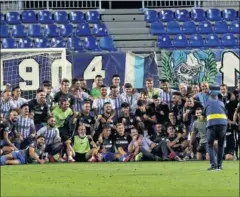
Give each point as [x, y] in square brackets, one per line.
[189, 27]
[48, 17]
[74, 43]
[197, 41]
[52, 30]
[196, 14]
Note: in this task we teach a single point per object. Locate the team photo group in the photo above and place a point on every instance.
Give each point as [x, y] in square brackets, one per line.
[116, 122]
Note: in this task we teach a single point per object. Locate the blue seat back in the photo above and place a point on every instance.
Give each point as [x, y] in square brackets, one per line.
[41, 43]
[196, 41]
[205, 27]
[150, 16]
[214, 14]
[180, 41]
[19, 31]
[76, 17]
[229, 14]
[74, 43]
[45, 17]
[106, 43]
[90, 43]
[234, 27]
[182, 15]
[157, 28]
[25, 43]
[212, 40]
[83, 29]
[166, 15]
[13, 18]
[9, 43]
[66, 30]
[164, 41]
[51, 30]
[57, 43]
[61, 17]
[220, 27]
[198, 14]
[228, 40]
[173, 27]
[2, 19]
[35, 30]
[92, 17]
[100, 30]
[29, 17]
[4, 31]
[189, 27]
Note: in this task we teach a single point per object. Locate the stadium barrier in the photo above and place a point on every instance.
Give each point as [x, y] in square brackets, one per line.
[29, 68]
[98, 4]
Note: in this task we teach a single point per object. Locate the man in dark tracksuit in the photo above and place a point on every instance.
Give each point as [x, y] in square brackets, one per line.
[216, 129]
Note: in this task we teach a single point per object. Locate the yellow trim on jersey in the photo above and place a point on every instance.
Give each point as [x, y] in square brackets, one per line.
[216, 116]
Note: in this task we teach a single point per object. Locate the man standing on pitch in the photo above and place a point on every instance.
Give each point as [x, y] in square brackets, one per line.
[216, 129]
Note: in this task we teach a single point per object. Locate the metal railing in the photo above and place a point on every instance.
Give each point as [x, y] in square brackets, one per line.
[6, 5]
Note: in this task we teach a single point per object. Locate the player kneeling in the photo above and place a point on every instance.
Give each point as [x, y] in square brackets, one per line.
[82, 144]
[33, 153]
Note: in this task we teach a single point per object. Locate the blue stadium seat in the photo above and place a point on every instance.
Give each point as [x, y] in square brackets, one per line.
[13, 18]
[4, 31]
[180, 41]
[41, 43]
[173, 27]
[182, 15]
[220, 27]
[29, 17]
[35, 30]
[92, 17]
[66, 30]
[100, 30]
[106, 43]
[57, 43]
[2, 19]
[166, 15]
[19, 31]
[234, 27]
[229, 14]
[9, 43]
[205, 27]
[90, 43]
[198, 15]
[196, 41]
[157, 28]
[61, 17]
[214, 14]
[164, 42]
[51, 30]
[150, 16]
[228, 40]
[76, 17]
[25, 43]
[45, 17]
[75, 44]
[189, 27]
[212, 40]
[83, 29]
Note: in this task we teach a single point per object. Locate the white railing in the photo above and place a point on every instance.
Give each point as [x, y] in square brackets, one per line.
[100, 4]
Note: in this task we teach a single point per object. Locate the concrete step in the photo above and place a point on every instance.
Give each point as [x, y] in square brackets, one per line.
[140, 44]
[127, 24]
[120, 31]
[135, 37]
[121, 11]
[122, 18]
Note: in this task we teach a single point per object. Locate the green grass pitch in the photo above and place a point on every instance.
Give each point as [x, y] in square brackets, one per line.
[121, 179]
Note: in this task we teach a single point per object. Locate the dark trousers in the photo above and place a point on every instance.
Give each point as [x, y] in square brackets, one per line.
[216, 132]
[160, 150]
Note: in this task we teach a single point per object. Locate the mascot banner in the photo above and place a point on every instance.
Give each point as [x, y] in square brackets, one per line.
[195, 66]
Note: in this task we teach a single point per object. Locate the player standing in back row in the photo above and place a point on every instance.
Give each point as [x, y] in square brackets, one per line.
[216, 129]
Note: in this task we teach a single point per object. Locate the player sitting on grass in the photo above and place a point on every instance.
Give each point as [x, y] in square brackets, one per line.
[9, 137]
[177, 145]
[31, 154]
[106, 144]
[135, 144]
[121, 142]
[55, 146]
[82, 144]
